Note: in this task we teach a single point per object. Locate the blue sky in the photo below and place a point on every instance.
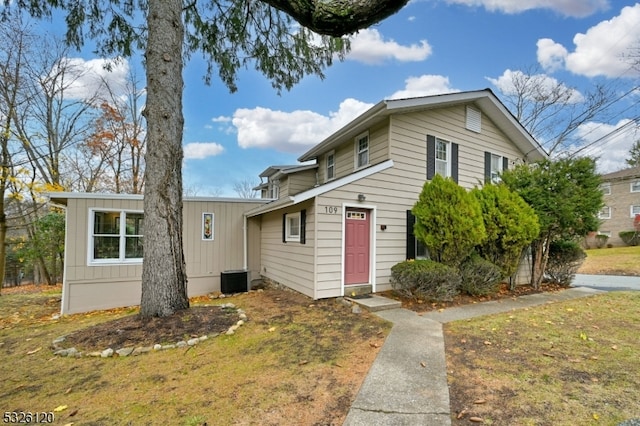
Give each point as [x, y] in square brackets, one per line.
[430, 47]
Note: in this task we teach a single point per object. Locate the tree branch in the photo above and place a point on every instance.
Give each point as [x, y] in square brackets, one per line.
[338, 17]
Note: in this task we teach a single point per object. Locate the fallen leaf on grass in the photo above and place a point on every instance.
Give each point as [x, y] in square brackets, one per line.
[614, 347]
[67, 391]
[423, 364]
[480, 401]
[303, 362]
[548, 354]
[461, 414]
[60, 408]
[374, 345]
[272, 329]
[487, 343]
[476, 419]
[34, 351]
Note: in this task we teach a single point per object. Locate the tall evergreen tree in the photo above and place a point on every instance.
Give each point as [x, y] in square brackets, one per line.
[634, 155]
[230, 35]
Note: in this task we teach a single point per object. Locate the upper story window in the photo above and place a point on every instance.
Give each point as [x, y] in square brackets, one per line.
[273, 190]
[604, 213]
[605, 188]
[635, 210]
[635, 186]
[362, 150]
[443, 156]
[331, 165]
[116, 236]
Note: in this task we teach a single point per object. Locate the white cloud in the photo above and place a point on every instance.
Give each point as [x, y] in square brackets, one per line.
[425, 85]
[201, 150]
[599, 51]
[368, 46]
[221, 119]
[575, 8]
[611, 143]
[292, 132]
[85, 80]
[542, 83]
[551, 55]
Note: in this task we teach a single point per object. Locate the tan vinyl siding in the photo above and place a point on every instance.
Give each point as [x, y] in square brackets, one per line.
[290, 263]
[90, 287]
[391, 199]
[408, 143]
[345, 154]
[302, 181]
[283, 187]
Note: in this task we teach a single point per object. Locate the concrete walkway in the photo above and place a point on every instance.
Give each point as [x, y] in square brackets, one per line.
[407, 383]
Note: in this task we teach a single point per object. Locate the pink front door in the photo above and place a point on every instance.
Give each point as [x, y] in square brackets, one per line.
[356, 255]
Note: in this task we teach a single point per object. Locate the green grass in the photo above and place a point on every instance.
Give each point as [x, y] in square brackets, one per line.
[612, 261]
[566, 363]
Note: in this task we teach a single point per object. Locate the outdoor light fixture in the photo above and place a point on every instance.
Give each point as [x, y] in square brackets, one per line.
[361, 197]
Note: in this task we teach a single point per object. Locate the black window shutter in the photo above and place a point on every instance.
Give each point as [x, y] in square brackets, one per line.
[411, 239]
[284, 228]
[454, 162]
[487, 167]
[303, 227]
[505, 163]
[431, 156]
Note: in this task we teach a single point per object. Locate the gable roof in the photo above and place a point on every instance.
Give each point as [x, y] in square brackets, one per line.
[285, 170]
[485, 100]
[630, 173]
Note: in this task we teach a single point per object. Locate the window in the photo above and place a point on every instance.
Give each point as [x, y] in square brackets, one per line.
[273, 190]
[116, 236]
[605, 213]
[362, 150]
[605, 188]
[442, 157]
[294, 227]
[635, 210]
[415, 248]
[494, 165]
[635, 186]
[607, 233]
[331, 167]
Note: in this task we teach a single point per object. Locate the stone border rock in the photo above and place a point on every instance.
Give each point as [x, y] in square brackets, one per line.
[56, 345]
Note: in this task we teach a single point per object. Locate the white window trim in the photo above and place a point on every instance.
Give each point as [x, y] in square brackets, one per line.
[326, 159]
[273, 189]
[498, 172]
[637, 186]
[289, 237]
[604, 216]
[357, 150]
[632, 213]
[90, 243]
[605, 188]
[448, 153]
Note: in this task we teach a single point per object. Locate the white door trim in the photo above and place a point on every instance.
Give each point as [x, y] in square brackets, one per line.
[372, 243]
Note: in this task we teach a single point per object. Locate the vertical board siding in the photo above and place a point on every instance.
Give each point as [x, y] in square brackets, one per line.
[107, 286]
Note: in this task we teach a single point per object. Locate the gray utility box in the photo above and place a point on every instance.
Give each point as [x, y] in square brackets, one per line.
[234, 281]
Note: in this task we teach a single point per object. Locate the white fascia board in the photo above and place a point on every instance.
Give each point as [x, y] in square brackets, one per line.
[139, 197]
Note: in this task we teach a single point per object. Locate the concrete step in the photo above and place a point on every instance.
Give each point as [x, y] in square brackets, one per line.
[375, 303]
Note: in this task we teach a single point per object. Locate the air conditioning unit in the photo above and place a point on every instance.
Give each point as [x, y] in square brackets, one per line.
[234, 282]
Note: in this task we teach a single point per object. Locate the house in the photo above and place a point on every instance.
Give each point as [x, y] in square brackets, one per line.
[333, 225]
[621, 196]
[344, 233]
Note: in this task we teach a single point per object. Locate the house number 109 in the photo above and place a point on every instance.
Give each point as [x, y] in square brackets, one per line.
[330, 210]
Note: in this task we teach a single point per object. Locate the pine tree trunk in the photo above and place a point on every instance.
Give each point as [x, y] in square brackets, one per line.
[164, 279]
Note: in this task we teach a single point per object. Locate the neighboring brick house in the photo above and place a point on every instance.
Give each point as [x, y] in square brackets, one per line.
[621, 198]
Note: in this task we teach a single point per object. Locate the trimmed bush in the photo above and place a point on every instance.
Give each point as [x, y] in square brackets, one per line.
[479, 276]
[565, 258]
[425, 279]
[448, 221]
[630, 238]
